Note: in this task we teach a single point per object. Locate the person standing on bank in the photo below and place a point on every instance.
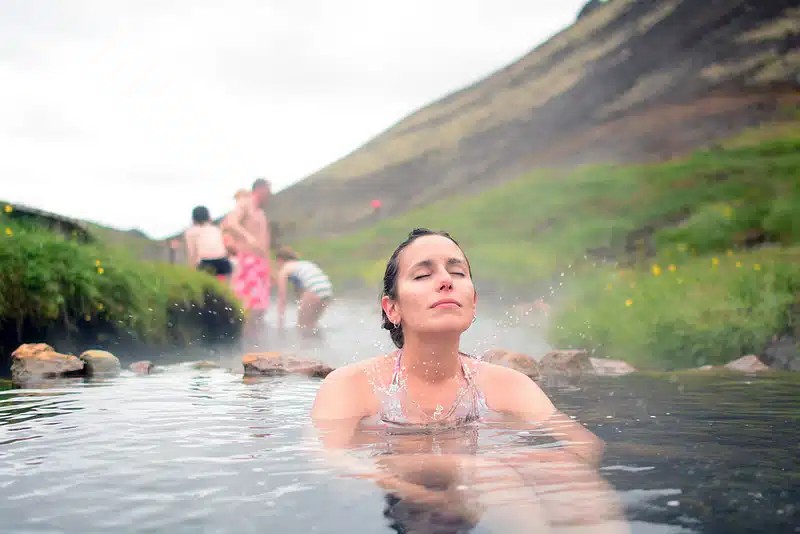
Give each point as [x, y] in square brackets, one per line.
[311, 283]
[205, 248]
[249, 227]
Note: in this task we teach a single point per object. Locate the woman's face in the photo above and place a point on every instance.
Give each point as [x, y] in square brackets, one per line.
[434, 289]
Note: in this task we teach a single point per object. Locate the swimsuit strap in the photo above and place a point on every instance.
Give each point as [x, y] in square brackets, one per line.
[465, 368]
[395, 383]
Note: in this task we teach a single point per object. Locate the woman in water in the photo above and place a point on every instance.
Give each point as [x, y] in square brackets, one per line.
[311, 284]
[428, 301]
[428, 389]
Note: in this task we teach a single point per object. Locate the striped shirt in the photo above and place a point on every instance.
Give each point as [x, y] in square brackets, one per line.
[306, 276]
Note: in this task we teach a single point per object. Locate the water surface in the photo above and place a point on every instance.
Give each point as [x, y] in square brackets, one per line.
[207, 450]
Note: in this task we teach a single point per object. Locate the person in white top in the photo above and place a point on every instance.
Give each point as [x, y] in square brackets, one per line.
[205, 247]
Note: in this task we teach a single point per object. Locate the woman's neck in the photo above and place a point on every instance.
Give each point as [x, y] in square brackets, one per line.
[431, 360]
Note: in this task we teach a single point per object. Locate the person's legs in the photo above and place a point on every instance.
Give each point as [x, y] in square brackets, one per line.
[251, 284]
[309, 310]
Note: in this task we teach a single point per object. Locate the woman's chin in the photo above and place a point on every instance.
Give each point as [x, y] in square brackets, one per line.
[450, 327]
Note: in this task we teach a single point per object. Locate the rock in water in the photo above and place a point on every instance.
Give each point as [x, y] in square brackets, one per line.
[202, 365]
[566, 362]
[515, 360]
[40, 360]
[143, 367]
[100, 363]
[278, 363]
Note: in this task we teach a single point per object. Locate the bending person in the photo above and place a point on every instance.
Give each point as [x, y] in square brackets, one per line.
[311, 284]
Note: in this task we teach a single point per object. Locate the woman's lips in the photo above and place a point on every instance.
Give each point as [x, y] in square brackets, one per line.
[446, 303]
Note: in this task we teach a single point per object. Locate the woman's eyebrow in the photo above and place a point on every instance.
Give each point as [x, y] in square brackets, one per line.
[424, 263]
[428, 264]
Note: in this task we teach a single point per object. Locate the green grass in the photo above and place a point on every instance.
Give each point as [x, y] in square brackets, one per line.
[47, 279]
[596, 222]
[684, 311]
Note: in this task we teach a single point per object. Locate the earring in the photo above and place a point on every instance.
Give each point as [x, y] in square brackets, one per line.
[474, 317]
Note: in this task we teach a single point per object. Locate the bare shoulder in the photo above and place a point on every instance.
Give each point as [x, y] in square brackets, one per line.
[509, 391]
[349, 391]
[493, 373]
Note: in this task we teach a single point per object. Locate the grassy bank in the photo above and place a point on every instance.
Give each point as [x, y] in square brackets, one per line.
[52, 286]
[684, 311]
[593, 221]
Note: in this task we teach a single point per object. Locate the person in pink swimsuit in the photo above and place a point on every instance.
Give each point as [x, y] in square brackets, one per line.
[248, 226]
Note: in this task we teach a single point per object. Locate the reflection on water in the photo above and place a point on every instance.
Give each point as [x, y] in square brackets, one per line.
[205, 450]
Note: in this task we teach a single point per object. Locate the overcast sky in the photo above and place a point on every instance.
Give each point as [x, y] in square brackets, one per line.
[130, 113]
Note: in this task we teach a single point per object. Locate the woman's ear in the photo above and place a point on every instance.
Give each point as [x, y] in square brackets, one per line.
[389, 306]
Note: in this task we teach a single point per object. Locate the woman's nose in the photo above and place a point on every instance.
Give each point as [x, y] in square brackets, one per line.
[445, 282]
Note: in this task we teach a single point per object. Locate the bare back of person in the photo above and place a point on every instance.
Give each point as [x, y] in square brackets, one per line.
[248, 228]
[253, 221]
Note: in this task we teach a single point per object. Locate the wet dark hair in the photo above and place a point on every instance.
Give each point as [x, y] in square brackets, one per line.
[405, 515]
[200, 215]
[390, 279]
[286, 253]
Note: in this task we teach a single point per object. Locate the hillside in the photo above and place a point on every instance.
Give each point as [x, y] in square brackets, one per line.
[630, 81]
[665, 265]
[520, 234]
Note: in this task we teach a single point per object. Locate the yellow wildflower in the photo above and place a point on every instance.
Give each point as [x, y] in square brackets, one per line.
[9, 232]
[629, 303]
[100, 270]
[714, 261]
[757, 267]
[727, 211]
[97, 263]
[738, 264]
[100, 306]
[656, 270]
[9, 208]
[87, 317]
[672, 267]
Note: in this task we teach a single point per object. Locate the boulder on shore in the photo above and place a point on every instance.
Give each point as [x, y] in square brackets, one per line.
[566, 362]
[40, 360]
[747, 364]
[571, 363]
[279, 363]
[518, 361]
[609, 367]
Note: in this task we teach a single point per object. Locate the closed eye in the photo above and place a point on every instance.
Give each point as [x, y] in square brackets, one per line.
[459, 274]
[420, 276]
